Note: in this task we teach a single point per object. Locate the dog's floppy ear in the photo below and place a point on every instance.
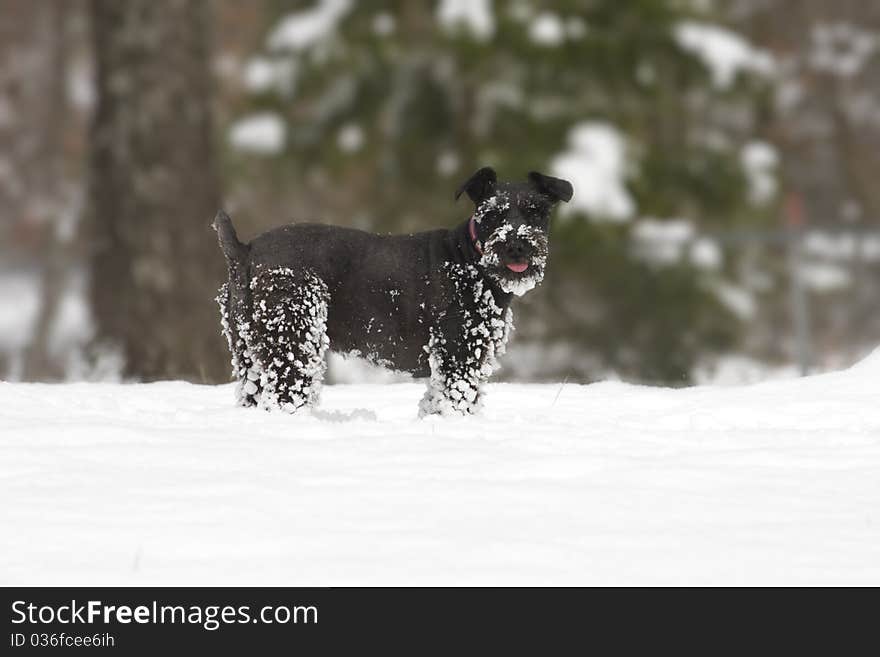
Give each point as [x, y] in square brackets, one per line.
[479, 186]
[556, 188]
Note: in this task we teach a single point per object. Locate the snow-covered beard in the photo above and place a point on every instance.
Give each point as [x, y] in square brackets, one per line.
[508, 280]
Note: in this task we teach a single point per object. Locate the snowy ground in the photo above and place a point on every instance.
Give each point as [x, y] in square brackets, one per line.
[777, 483]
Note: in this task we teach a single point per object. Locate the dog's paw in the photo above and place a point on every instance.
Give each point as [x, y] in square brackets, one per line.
[450, 403]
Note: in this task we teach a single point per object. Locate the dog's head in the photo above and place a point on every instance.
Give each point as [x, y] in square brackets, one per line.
[510, 225]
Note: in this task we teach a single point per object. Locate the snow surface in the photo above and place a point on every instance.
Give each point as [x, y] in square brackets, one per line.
[824, 277]
[595, 163]
[262, 133]
[301, 30]
[350, 138]
[170, 483]
[547, 29]
[706, 254]
[384, 24]
[262, 75]
[19, 305]
[725, 53]
[668, 241]
[844, 247]
[662, 241]
[739, 300]
[474, 15]
[841, 49]
[760, 161]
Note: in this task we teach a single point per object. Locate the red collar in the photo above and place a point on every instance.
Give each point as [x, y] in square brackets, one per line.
[472, 229]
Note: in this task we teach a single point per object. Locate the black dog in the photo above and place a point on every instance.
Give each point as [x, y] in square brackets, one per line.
[435, 304]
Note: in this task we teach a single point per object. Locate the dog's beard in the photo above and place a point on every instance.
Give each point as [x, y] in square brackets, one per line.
[493, 263]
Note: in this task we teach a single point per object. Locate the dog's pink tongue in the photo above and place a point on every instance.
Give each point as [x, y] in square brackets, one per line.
[518, 267]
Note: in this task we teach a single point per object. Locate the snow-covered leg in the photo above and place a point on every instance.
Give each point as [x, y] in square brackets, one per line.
[249, 388]
[463, 361]
[222, 300]
[236, 331]
[454, 386]
[289, 337]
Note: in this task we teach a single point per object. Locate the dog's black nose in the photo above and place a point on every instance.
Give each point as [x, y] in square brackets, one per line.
[517, 250]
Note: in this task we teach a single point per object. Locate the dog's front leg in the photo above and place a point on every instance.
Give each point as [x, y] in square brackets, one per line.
[463, 353]
[457, 375]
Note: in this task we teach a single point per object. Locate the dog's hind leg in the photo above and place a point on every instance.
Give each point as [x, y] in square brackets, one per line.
[235, 329]
[289, 335]
[235, 313]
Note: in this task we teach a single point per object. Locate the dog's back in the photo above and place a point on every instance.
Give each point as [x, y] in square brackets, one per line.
[377, 284]
[333, 252]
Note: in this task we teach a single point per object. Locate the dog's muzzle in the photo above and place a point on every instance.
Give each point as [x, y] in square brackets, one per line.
[515, 257]
[517, 254]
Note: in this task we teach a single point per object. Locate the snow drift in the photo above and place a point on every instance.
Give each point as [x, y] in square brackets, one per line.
[610, 483]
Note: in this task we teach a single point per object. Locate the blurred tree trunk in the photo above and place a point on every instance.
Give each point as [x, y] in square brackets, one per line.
[154, 190]
[39, 364]
[36, 198]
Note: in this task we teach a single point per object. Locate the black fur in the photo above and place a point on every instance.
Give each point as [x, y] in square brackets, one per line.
[434, 304]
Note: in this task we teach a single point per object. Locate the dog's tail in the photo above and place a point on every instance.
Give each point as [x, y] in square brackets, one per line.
[234, 298]
[233, 249]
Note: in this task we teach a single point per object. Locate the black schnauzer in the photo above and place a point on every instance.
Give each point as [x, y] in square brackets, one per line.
[435, 304]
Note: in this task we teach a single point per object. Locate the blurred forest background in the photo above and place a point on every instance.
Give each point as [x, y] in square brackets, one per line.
[726, 219]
